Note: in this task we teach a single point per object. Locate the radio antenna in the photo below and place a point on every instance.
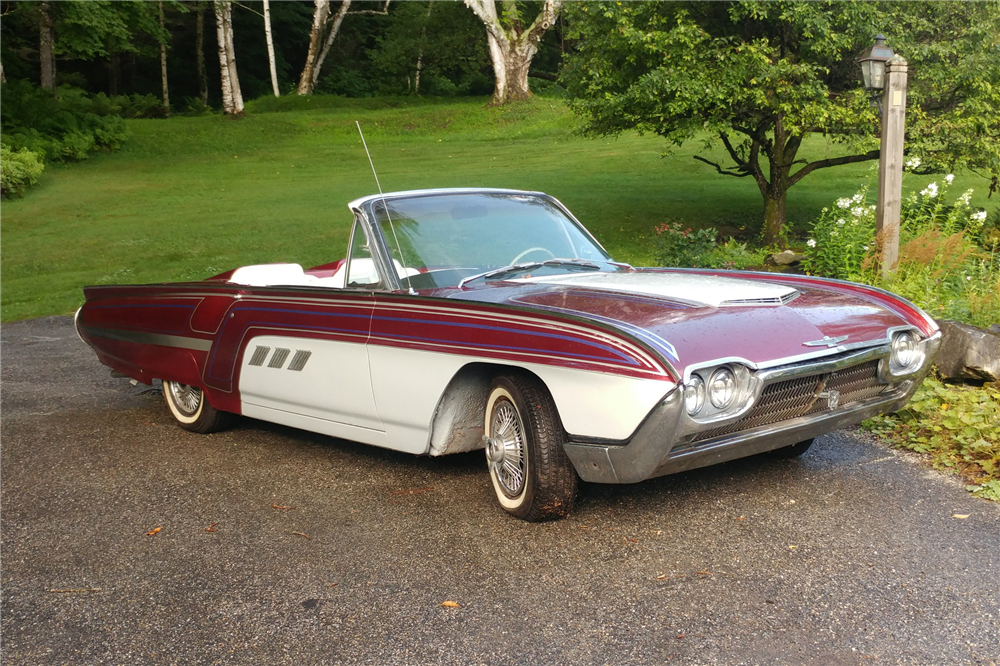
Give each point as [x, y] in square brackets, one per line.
[402, 260]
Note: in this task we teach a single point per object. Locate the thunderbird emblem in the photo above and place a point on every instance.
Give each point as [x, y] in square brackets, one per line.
[827, 341]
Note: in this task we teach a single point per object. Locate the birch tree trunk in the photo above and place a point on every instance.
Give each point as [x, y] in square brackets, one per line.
[270, 47]
[420, 53]
[163, 66]
[332, 35]
[512, 46]
[200, 56]
[232, 99]
[320, 13]
[46, 37]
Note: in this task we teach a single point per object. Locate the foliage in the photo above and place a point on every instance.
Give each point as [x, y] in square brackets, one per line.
[63, 129]
[761, 75]
[956, 426]
[18, 170]
[679, 246]
[940, 267]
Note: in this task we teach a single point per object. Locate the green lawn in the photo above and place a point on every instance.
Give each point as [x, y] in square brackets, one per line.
[191, 197]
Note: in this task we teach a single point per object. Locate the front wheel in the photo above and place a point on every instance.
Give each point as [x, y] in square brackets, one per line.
[532, 477]
[191, 410]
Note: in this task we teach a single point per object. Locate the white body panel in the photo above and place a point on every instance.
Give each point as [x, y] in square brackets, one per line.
[695, 289]
[334, 384]
[387, 396]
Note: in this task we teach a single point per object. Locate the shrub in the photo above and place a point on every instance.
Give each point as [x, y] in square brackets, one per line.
[677, 245]
[63, 129]
[18, 170]
[941, 268]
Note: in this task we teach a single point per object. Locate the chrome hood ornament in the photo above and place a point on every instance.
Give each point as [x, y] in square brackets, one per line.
[827, 341]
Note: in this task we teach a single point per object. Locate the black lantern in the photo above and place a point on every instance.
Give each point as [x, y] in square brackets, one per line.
[873, 66]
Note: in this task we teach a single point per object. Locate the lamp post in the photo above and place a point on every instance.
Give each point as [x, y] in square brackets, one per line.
[884, 75]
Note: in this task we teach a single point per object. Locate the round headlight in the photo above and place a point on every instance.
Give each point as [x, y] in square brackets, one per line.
[722, 388]
[694, 395]
[904, 349]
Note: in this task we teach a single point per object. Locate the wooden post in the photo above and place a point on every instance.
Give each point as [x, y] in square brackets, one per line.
[890, 166]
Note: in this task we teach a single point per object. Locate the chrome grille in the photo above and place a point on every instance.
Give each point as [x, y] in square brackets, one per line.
[259, 355]
[796, 397]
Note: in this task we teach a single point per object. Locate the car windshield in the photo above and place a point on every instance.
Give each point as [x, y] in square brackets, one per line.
[444, 238]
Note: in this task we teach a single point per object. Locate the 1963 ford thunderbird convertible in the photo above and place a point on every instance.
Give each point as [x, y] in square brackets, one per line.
[491, 319]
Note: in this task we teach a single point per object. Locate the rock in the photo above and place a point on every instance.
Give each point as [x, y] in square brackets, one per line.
[994, 328]
[968, 352]
[785, 258]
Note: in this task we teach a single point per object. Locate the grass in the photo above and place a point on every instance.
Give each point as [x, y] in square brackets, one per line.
[190, 197]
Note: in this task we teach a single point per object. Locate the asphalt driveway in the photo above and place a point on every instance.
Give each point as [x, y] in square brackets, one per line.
[126, 540]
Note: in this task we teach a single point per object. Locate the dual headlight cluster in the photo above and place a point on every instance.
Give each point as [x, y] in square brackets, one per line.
[717, 392]
[906, 352]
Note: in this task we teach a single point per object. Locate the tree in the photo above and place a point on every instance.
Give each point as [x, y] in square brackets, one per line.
[320, 39]
[232, 98]
[758, 77]
[512, 46]
[163, 64]
[46, 40]
[270, 48]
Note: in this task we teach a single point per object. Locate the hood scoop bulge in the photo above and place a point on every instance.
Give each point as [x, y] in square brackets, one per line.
[691, 289]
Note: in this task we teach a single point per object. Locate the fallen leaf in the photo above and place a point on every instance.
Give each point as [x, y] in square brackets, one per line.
[944, 407]
[283, 508]
[661, 577]
[301, 534]
[791, 547]
[704, 573]
[961, 516]
[632, 540]
[333, 584]
[450, 604]
[155, 530]
[211, 528]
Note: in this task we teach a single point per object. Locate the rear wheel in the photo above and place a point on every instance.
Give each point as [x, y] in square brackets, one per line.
[532, 477]
[793, 451]
[191, 410]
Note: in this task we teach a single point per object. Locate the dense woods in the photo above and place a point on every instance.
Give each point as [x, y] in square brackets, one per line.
[354, 49]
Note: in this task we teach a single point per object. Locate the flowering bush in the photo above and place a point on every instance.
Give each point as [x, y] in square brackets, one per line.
[941, 268]
[842, 237]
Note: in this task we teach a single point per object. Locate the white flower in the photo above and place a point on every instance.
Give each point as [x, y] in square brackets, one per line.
[979, 217]
[966, 196]
[930, 191]
[811, 243]
[843, 203]
[841, 221]
[857, 198]
[866, 248]
[969, 277]
[950, 177]
[858, 211]
[913, 163]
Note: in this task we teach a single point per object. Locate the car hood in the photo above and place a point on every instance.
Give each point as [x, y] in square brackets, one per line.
[692, 317]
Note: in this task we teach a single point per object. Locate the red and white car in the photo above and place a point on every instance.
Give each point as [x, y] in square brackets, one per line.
[475, 318]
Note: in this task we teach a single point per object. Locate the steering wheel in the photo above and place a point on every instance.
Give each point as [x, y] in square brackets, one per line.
[529, 251]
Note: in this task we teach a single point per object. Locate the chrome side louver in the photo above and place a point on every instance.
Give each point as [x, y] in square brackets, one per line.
[279, 357]
[259, 355]
[299, 360]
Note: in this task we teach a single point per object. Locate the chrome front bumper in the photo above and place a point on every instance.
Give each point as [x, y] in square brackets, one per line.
[667, 441]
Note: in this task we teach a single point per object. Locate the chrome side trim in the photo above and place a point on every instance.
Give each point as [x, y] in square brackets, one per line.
[143, 337]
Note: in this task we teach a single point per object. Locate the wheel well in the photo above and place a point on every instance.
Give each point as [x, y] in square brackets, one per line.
[457, 424]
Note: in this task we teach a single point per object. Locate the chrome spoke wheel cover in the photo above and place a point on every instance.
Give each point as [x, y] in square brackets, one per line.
[505, 448]
[186, 398]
